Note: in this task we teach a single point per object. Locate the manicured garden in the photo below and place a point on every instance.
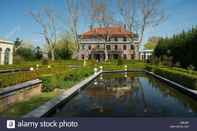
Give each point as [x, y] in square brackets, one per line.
[182, 76]
[61, 75]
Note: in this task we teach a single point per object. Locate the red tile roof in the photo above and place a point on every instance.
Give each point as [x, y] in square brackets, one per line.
[116, 31]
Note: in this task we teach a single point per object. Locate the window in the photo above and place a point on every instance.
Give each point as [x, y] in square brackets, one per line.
[116, 39]
[116, 47]
[108, 47]
[82, 46]
[124, 39]
[98, 46]
[124, 47]
[89, 47]
[132, 47]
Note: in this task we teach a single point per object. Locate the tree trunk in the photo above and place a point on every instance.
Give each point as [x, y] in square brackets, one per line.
[52, 55]
[106, 53]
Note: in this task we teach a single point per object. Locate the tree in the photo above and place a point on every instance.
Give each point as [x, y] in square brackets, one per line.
[17, 43]
[149, 13]
[101, 15]
[25, 53]
[127, 9]
[152, 42]
[46, 19]
[64, 48]
[38, 53]
[181, 48]
[73, 10]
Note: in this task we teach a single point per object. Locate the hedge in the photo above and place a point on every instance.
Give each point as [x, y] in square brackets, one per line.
[187, 79]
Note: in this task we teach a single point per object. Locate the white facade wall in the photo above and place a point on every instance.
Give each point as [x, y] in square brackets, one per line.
[6, 52]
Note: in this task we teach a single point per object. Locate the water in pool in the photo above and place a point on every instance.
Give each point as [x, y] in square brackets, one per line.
[128, 95]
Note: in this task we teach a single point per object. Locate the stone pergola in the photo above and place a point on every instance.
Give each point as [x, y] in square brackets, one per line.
[6, 52]
[145, 54]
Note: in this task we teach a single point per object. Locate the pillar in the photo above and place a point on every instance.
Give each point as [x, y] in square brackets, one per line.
[10, 57]
[2, 57]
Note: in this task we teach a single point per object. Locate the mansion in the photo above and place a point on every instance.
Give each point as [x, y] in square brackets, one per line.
[111, 42]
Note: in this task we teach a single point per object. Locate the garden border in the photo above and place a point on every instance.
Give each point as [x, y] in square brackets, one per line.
[51, 105]
[176, 85]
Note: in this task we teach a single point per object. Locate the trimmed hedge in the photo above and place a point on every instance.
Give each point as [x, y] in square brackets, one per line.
[65, 79]
[187, 79]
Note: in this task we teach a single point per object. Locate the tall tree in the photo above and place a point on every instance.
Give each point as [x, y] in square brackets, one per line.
[101, 15]
[149, 14]
[46, 19]
[74, 12]
[17, 43]
[128, 10]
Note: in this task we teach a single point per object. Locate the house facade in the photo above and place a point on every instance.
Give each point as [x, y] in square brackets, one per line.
[6, 52]
[108, 43]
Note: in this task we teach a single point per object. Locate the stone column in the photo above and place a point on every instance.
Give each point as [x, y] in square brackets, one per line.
[10, 57]
[2, 56]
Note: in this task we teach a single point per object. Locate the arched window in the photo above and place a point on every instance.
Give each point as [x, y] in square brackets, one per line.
[7, 56]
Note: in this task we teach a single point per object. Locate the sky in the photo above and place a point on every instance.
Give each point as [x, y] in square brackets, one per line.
[16, 22]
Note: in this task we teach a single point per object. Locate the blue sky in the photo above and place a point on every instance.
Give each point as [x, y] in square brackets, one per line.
[15, 21]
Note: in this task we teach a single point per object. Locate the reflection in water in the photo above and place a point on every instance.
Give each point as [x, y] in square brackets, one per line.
[129, 95]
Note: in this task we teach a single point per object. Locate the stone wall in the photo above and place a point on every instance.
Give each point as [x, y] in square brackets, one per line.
[20, 92]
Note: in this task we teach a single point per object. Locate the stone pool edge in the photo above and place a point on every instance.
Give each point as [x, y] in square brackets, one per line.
[45, 109]
[176, 85]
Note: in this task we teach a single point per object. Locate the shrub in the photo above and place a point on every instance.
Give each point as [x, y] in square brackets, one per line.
[45, 61]
[47, 86]
[119, 62]
[183, 78]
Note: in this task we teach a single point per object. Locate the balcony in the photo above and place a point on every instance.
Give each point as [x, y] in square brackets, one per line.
[95, 41]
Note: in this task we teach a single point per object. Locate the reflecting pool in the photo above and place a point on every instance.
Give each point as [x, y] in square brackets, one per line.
[128, 95]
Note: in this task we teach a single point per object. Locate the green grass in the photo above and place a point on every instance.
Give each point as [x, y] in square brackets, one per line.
[185, 77]
[21, 108]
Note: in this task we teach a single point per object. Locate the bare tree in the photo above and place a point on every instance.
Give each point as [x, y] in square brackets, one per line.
[46, 19]
[74, 12]
[101, 15]
[128, 11]
[151, 15]
[140, 15]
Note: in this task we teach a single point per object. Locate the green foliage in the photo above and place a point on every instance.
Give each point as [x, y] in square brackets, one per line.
[119, 61]
[64, 80]
[182, 48]
[37, 53]
[28, 53]
[17, 42]
[21, 108]
[63, 53]
[25, 53]
[45, 61]
[180, 76]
